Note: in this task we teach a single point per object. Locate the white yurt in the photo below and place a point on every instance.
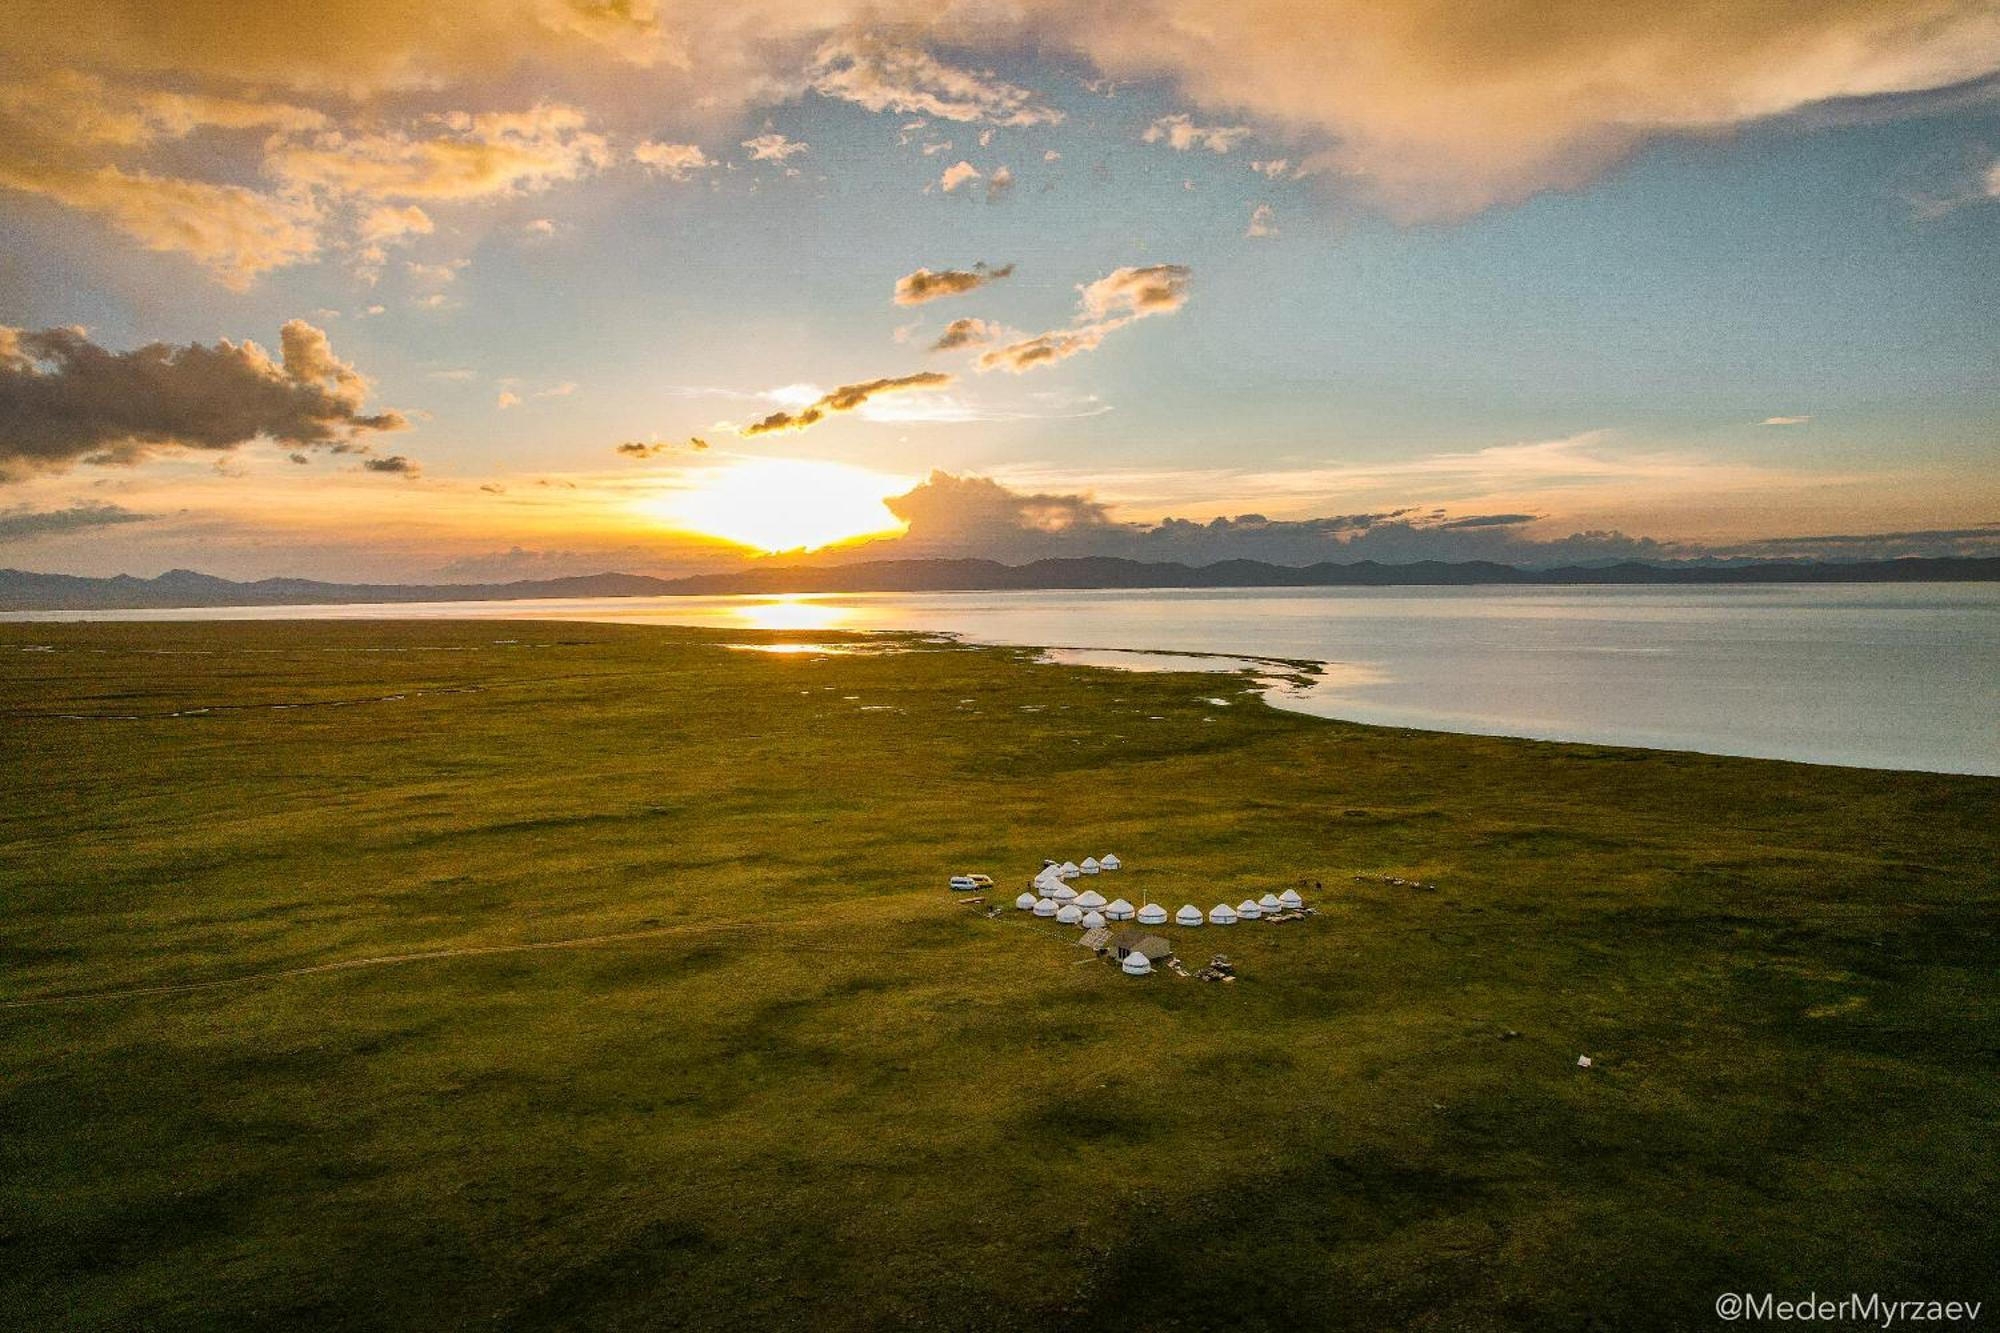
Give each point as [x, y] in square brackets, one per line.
[1290, 898]
[1090, 899]
[1063, 893]
[1045, 907]
[1090, 866]
[1069, 914]
[1271, 904]
[1118, 910]
[1136, 964]
[1092, 921]
[1026, 902]
[1110, 863]
[1070, 870]
[1247, 910]
[1152, 914]
[1190, 915]
[1222, 914]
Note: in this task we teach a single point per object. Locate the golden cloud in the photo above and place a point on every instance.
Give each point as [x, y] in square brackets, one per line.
[845, 399]
[925, 285]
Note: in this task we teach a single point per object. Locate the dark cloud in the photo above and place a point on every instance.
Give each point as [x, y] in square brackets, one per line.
[845, 399]
[394, 463]
[965, 333]
[22, 523]
[1490, 521]
[64, 399]
[1981, 540]
[977, 516]
[924, 285]
[651, 449]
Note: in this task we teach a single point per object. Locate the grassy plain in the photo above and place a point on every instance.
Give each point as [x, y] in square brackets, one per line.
[817, 1092]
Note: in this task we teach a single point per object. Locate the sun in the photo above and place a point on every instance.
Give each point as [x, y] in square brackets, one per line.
[784, 504]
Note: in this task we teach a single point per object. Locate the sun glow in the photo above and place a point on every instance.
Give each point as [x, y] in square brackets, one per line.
[783, 504]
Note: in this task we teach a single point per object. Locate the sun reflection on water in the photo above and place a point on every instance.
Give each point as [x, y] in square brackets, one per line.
[792, 612]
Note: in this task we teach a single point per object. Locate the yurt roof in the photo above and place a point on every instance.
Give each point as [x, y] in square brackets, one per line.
[1120, 905]
[1109, 862]
[1089, 898]
[1046, 907]
[1092, 920]
[1069, 914]
[1025, 902]
[1291, 898]
[1222, 912]
[1153, 914]
[1189, 915]
[1136, 965]
[1247, 906]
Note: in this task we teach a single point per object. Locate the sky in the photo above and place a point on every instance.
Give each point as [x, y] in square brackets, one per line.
[525, 288]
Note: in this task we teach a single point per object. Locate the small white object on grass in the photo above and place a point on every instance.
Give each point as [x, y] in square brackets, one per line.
[1583, 1062]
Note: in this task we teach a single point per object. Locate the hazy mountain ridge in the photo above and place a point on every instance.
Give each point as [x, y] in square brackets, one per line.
[21, 590]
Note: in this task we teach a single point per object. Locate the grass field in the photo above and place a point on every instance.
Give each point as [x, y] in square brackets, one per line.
[807, 1088]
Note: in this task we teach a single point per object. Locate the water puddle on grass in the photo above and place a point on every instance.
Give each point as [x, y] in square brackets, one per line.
[1284, 682]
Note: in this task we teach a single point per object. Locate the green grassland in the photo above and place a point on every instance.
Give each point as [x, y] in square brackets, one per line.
[807, 1088]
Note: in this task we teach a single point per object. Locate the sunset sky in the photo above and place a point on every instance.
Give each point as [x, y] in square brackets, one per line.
[538, 287]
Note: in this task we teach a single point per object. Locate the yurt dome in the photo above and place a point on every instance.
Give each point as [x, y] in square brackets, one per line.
[1136, 964]
[1110, 863]
[1063, 893]
[1152, 914]
[1222, 914]
[1118, 910]
[1270, 903]
[1045, 907]
[1070, 870]
[1247, 910]
[1090, 866]
[1026, 902]
[1189, 915]
[1069, 914]
[1089, 898]
[1092, 921]
[1291, 899]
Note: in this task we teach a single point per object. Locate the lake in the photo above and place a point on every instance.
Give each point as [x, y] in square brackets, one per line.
[1876, 675]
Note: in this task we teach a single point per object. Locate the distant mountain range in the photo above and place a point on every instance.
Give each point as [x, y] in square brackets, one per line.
[24, 591]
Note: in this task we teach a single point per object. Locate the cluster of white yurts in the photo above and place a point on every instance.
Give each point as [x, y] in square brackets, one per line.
[1054, 896]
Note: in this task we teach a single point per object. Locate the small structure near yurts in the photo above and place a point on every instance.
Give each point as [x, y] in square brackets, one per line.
[1136, 965]
[1189, 915]
[1070, 870]
[1026, 902]
[1152, 914]
[1218, 969]
[963, 884]
[1290, 898]
[1110, 863]
[1222, 914]
[1118, 910]
[1097, 941]
[1247, 910]
[1154, 948]
[1092, 921]
[1271, 904]
[1045, 907]
[1069, 914]
[1089, 866]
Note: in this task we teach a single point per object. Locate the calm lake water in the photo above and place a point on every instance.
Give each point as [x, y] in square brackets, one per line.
[1879, 675]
